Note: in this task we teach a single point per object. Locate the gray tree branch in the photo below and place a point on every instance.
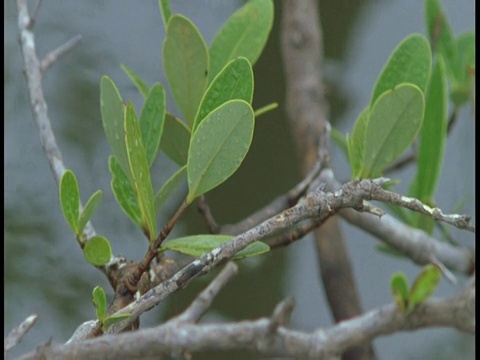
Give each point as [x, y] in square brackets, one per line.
[270, 336]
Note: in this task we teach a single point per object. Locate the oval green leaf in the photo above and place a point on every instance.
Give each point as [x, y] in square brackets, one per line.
[197, 245]
[175, 139]
[244, 34]
[235, 81]
[399, 288]
[140, 171]
[100, 302]
[394, 123]
[152, 120]
[424, 285]
[112, 110]
[70, 199]
[169, 188]
[97, 250]
[410, 62]
[185, 58]
[219, 146]
[113, 319]
[137, 80]
[88, 210]
[124, 192]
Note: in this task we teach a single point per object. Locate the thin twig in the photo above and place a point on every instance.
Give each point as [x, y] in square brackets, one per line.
[17, 333]
[204, 209]
[54, 55]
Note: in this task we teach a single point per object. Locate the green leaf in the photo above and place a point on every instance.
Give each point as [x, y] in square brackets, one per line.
[441, 36]
[70, 199]
[88, 210]
[425, 284]
[197, 245]
[137, 80]
[140, 171]
[394, 123]
[185, 58]
[100, 302]
[399, 288]
[356, 143]
[124, 192]
[112, 109]
[166, 11]
[152, 120]
[169, 187]
[235, 81]
[432, 144]
[244, 34]
[113, 319]
[410, 62]
[97, 250]
[219, 146]
[175, 139]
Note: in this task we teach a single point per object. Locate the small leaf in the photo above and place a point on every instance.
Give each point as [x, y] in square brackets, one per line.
[356, 143]
[425, 284]
[197, 245]
[244, 34]
[185, 58]
[137, 80]
[466, 56]
[97, 250]
[112, 109]
[432, 145]
[70, 199]
[152, 120]
[175, 139]
[100, 302]
[113, 319]
[140, 171]
[165, 10]
[235, 81]
[394, 123]
[219, 146]
[169, 187]
[88, 210]
[399, 288]
[410, 62]
[124, 192]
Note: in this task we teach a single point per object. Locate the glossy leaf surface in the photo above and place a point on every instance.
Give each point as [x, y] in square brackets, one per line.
[235, 81]
[97, 250]
[175, 139]
[185, 58]
[140, 171]
[89, 210]
[197, 245]
[219, 146]
[70, 199]
[410, 62]
[394, 123]
[152, 120]
[244, 34]
[124, 192]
